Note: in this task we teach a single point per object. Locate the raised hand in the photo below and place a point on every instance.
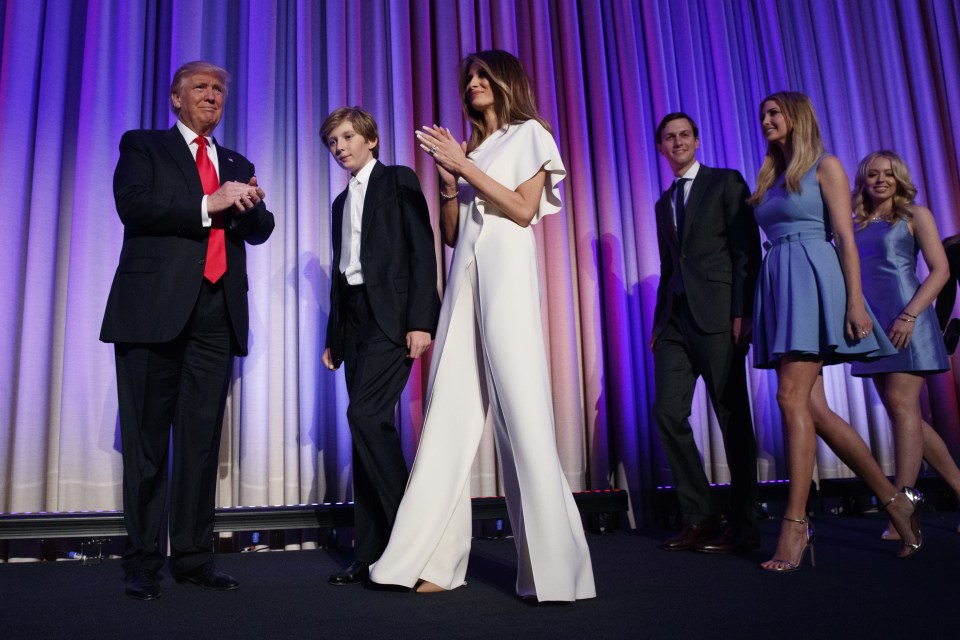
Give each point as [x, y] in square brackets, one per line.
[449, 154]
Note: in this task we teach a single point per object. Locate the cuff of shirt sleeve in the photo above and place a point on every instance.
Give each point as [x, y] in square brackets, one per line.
[204, 216]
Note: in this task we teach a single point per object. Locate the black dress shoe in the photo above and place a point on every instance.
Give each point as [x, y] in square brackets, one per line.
[731, 540]
[143, 585]
[209, 577]
[692, 535]
[354, 574]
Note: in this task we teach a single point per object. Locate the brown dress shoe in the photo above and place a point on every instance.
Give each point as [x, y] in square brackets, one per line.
[732, 541]
[692, 536]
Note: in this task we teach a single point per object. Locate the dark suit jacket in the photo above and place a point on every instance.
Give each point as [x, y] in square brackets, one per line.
[157, 190]
[948, 295]
[397, 256]
[719, 257]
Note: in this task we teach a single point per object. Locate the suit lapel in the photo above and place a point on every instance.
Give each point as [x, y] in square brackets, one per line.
[665, 218]
[228, 165]
[699, 187]
[178, 149]
[336, 221]
[375, 192]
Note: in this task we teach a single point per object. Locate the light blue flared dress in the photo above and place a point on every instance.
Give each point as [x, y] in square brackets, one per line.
[888, 263]
[801, 297]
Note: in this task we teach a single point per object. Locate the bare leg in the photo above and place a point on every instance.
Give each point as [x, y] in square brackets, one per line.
[850, 447]
[900, 393]
[915, 438]
[936, 453]
[796, 379]
[900, 400]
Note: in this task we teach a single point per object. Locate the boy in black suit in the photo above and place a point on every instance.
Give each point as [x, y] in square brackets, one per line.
[383, 313]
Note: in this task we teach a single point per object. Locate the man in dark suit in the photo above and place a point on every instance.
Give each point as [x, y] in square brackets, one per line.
[709, 259]
[383, 313]
[948, 295]
[177, 314]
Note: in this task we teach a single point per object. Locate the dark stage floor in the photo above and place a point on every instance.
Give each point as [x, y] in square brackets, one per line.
[857, 590]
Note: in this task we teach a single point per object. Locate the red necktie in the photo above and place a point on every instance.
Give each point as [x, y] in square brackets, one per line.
[216, 263]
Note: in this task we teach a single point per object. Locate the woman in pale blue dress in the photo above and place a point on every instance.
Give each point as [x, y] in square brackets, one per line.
[891, 228]
[810, 312]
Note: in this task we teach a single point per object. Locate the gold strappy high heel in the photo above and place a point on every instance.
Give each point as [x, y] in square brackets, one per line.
[907, 549]
[789, 565]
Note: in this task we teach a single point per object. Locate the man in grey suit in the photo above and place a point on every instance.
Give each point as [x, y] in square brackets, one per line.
[709, 258]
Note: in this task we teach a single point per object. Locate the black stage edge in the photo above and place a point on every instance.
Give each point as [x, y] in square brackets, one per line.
[858, 590]
[15, 526]
[842, 496]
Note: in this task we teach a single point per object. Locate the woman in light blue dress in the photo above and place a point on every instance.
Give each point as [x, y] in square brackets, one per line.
[810, 312]
[891, 228]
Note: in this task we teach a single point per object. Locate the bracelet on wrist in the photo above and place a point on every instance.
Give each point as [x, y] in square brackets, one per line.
[909, 315]
[449, 196]
[902, 319]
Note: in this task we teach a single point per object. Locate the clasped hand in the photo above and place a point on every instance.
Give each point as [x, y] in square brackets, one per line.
[237, 196]
[449, 154]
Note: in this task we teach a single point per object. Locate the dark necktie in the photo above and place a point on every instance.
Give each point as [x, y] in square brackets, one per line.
[679, 207]
[216, 262]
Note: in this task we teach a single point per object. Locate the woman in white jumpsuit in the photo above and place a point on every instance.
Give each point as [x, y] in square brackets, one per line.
[490, 354]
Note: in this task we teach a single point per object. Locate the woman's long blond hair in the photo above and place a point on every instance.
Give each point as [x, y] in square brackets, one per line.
[512, 96]
[804, 139]
[903, 195]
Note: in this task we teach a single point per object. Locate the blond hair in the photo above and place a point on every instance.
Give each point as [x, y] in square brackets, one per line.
[803, 136]
[513, 98]
[903, 195]
[363, 123]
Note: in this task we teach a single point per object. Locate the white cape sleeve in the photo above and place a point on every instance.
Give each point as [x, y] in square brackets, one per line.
[530, 149]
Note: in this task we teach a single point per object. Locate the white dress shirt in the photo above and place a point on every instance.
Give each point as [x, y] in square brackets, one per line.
[190, 136]
[689, 176]
[352, 218]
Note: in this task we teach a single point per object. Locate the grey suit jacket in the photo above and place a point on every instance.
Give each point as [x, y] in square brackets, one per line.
[718, 257]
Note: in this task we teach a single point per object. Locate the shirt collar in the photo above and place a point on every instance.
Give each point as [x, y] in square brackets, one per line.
[190, 135]
[363, 176]
[692, 172]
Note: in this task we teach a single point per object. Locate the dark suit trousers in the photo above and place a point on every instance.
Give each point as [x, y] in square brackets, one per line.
[681, 355]
[376, 371]
[176, 388]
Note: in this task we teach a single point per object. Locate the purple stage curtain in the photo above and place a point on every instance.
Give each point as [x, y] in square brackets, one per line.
[75, 74]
